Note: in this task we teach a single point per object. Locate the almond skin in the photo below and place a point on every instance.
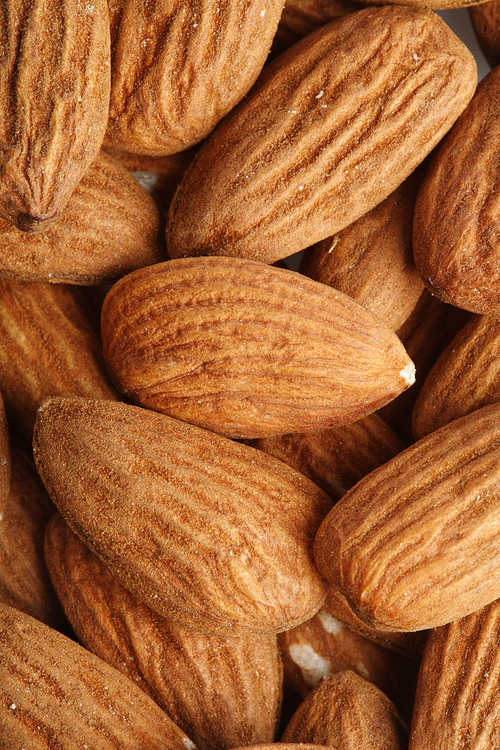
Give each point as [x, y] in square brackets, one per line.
[110, 226]
[455, 230]
[54, 693]
[178, 68]
[485, 19]
[414, 544]
[301, 17]
[247, 350]
[222, 692]
[213, 534]
[54, 100]
[289, 167]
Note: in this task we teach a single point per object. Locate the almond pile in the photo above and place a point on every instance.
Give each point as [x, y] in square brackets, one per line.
[245, 506]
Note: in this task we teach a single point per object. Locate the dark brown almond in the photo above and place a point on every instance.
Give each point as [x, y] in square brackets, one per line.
[222, 692]
[337, 123]
[110, 226]
[54, 693]
[54, 100]
[414, 545]
[248, 350]
[211, 533]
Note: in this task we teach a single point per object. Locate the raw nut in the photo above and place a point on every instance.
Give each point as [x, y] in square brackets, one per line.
[332, 128]
[455, 232]
[485, 19]
[213, 534]
[54, 100]
[110, 226]
[247, 350]
[54, 693]
[414, 545]
[371, 260]
[348, 712]
[178, 68]
[456, 706]
[222, 692]
[49, 346]
[465, 377]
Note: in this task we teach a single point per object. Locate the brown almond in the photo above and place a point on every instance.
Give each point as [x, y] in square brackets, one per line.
[178, 68]
[54, 693]
[222, 692]
[485, 19]
[340, 120]
[348, 712]
[455, 242]
[54, 100]
[49, 346]
[213, 534]
[414, 544]
[110, 226]
[247, 350]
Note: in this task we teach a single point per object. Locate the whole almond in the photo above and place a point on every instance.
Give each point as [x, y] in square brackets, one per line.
[332, 128]
[247, 350]
[414, 544]
[178, 68]
[54, 100]
[54, 693]
[213, 534]
[485, 19]
[221, 691]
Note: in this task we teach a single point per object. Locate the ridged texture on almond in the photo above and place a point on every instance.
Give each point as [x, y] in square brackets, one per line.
[457, 706]
[214, 534]
[49, 346]
[414, 544]
[346, 711]
[372, 260]
[465, 377]
[110, 226]
[302, 157]
[54, 100]
[301, 17]
[325, 646]
[485, 19]
[178, 68]
[248, 350]
[54, 693]
[455, 233]
[338, 457]
[222, 692]
[24, 512]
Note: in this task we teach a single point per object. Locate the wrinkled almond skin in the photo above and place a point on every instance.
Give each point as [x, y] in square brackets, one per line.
[485, 19]
[456, 705]
[348, 712]
[288, 167]
[110, 226]
[455, 231]
[49, 346]
[54, 99]
[301, 17]
[465, 377]
[247, 350]
[54, 693]
[178, 68]
[213, 534]
[221, 691]
[414, 544]
[371, 260]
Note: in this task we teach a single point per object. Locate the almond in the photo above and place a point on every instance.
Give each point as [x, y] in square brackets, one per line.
[333, 127]
[485, 19]
[213, 534]
[54, 100]
[414, 544]
[54, 693]
[222, 692]
[247, 350]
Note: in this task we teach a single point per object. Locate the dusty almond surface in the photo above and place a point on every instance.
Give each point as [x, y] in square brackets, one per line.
[414, 544]
[288, 167]
[54, 100]
[247, 350]
[212, 533]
